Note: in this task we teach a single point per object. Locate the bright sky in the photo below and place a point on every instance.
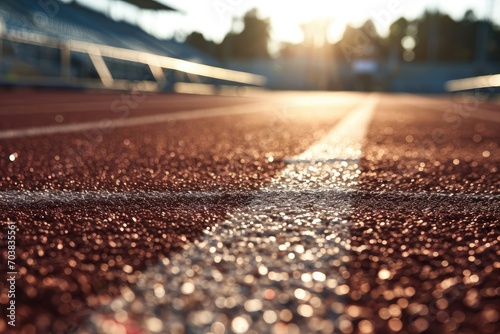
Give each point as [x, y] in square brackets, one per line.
[214, 18]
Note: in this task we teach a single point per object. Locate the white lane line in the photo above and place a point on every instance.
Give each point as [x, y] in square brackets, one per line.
[19, 197]
[344, 141]
[62, 108]
[289, 105]
[288, 245]
[137, 121]
[144, 103]
[260, 237]
[75, 107]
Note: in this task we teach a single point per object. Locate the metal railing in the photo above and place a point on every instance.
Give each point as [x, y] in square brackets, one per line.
[485, 81]
[97, 52]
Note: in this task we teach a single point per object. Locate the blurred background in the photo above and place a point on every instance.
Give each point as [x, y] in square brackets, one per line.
[211, 46]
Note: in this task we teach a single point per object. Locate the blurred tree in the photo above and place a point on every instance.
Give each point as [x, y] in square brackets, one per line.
[397, 31]
[494, 55]
[359, 42]
[432, 37]
[291, 50]
[251, 42]
[469, 16]
[455, 40]
[197, 40]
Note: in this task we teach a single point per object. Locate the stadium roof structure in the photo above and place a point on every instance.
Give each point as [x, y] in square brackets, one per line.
[150, 4]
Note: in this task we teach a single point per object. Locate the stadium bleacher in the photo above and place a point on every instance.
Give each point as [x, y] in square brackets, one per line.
[75, 22]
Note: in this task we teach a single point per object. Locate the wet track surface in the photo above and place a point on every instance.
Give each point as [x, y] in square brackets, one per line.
[282, 213]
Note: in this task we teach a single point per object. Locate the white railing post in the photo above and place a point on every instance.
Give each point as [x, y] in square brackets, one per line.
[101, 68]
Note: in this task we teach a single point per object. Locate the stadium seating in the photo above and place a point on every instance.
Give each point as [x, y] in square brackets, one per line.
[72, 21]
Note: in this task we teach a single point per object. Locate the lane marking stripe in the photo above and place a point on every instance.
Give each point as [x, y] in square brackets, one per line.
[236, 230]
[345, 140]
[16, 198]
[137, 121]
[146, 105]
[76, 107]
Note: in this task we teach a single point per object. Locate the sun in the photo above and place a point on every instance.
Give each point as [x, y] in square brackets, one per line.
[288, 16]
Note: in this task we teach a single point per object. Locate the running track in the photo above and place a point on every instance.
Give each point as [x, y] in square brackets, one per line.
[280, 212]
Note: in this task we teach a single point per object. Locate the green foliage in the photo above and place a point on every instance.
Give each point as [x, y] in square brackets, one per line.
[251, 42]
[437, 38]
